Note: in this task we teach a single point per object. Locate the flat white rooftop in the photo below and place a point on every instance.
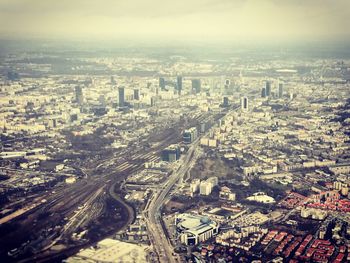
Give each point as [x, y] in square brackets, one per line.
[110, 250]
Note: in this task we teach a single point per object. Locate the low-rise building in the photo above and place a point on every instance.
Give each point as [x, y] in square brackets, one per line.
[193, 229]
[261, 197]
[314, 213]
[226, 194]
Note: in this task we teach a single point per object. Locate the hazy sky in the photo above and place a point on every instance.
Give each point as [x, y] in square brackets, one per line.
[178, 19]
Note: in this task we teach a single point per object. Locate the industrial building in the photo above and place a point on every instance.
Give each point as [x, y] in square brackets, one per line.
[110, 250]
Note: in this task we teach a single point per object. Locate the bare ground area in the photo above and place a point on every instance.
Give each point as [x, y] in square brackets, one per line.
[206, 168]
[172, 206]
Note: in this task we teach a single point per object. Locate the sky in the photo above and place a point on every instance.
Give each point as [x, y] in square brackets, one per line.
[192, 20]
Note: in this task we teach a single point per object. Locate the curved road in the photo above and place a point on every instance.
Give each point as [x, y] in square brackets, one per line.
[131, 211]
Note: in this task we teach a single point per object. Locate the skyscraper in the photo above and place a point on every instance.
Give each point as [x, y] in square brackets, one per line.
[121, 97]
[268, 88]
[136, 94]
[222, 83]
[162, 83]
[227, 86]
[263, 93]
[225, 102]
[196, 86]
[79, 95]
[179, 83]
[190, 135]
[171, 153]
[113, 82]
[244, 104]
[280, 90]
[102, 100]
[153, 101]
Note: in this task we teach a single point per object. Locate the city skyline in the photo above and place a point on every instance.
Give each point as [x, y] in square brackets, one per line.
[174, 131]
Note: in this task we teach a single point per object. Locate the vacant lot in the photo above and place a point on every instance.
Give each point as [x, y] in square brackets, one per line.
[206, 168]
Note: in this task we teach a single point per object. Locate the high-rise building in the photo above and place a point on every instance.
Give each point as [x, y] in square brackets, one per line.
[162, 83]
[222, 83]
[113, 82]
[73, 117]
[52, 123]
[102, 100]
[153, 101]
[179, 83]
[79, 95]
[268, 88]
[244, 104]
[121, 97]
[263, 93]
[280, 90]
[196, 86]
[225, 102]
[171, 153]
[136, 94]
[30, 106]
[213, 180]
[194, 186]
[227, 86]
[205, 188]
[203, 127]
[190, 135]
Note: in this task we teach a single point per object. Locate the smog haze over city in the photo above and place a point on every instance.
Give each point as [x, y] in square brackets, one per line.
[175, 131]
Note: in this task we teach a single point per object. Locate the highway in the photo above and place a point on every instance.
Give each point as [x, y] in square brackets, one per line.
[68, 208]
[161, 244]
[50, 218]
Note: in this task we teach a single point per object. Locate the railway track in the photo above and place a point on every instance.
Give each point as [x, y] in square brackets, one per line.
[91, 191]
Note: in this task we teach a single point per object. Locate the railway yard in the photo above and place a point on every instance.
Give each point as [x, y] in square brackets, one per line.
[174, 155]
[67, 217]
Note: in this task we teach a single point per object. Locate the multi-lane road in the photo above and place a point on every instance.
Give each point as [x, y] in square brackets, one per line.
[68, 209]
[80, 203]
[160, 242]
[77, 205]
